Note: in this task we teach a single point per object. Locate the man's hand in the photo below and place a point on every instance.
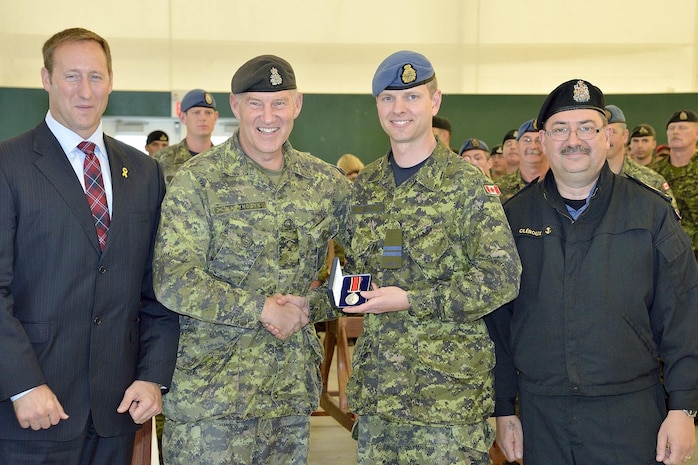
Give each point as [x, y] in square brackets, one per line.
[381, 300]
[39, 409]
[676, 439]
[142, 400]
[285, 315]
[510, 437]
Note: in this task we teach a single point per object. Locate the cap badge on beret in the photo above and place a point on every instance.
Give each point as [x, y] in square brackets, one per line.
[275, 78]
[643, 130]
[581, 92]
[409, 74]
[516, 133]
[683, 116]
[208, 98]
[475, 143]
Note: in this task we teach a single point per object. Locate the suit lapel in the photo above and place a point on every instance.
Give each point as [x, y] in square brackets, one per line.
[55, 166]
[121, 194]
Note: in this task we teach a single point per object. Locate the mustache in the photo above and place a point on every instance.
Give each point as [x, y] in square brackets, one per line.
[575, 149]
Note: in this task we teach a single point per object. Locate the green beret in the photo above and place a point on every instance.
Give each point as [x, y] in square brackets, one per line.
[265, 73]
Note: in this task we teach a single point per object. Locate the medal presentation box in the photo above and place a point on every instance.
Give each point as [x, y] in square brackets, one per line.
[344, 289]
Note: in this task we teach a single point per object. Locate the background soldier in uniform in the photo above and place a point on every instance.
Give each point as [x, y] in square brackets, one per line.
[430, 229]
[239, 244]
[198, 114]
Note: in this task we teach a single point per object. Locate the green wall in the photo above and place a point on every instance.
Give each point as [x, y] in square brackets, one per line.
[331, 125]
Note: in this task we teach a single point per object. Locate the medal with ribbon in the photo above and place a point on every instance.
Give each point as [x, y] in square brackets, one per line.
[353, 296]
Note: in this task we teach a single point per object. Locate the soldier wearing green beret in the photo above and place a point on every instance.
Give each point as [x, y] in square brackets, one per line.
[680, 168]
[430, 229]
[245, 228]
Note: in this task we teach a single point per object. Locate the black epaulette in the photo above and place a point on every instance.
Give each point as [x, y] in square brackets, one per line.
[663, 195]
[526, 187]
[651, 188]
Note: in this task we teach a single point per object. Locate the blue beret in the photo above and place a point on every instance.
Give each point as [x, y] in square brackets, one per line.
[198, 98]
[576, 94]
[617, 115]
[683, 115]
[525, 127]
[265, 73]
[402, 70]
[473, 144]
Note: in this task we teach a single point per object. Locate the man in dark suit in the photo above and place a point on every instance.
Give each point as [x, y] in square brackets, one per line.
[86, 348]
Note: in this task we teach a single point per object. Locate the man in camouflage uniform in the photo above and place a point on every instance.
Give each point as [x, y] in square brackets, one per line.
[533, 164]
[430, 229]
[643, 141]
[680, 169]
[198, 114]
[244, 231]
[621, 163]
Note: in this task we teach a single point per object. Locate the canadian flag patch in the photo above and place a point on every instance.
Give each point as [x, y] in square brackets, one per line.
[492, 189]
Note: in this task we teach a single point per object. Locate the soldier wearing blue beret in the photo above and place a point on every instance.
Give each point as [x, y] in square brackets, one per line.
[430, 229]
[197, 111]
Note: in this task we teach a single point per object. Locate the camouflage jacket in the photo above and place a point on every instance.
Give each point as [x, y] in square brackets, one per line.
[432, 363]
[228, 239]
[172, 157]
[510, 184]
[632, 169]
[684, 182]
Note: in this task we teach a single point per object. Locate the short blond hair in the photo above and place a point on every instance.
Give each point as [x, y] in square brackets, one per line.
[350, 163]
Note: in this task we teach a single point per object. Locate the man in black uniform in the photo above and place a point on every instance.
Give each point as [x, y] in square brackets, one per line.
[609, 285]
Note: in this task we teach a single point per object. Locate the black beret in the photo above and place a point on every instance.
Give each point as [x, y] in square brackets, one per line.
[440, 122]
[497, 149]
[513, 134]
[265, 73]
[156, 135]
[642, 130]
[683, 115]
[576, 94]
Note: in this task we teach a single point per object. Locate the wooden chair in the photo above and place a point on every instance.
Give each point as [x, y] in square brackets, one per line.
[337, 334]
[142, 446]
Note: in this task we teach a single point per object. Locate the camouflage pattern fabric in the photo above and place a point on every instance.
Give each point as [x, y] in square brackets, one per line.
[228, 238]
[684, 182]
[632, 169]
[431, 365]
[405, 444]
[510, 184]
[227, 441]
[171, 158]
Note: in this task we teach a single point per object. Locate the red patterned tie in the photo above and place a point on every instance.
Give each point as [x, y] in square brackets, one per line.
[94, 190]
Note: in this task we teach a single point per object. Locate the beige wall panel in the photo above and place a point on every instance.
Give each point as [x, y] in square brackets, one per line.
[476, 46]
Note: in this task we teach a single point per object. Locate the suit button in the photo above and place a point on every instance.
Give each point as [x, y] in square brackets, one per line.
[97, 321]
[101, 270]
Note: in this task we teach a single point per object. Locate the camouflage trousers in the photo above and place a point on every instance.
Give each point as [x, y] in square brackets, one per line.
[230, 441]
[381, 441]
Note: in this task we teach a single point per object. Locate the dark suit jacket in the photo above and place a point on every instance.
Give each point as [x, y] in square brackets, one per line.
[87, 324]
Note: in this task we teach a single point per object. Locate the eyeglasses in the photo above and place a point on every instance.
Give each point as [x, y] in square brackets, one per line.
[583, 132]
[529, 140]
